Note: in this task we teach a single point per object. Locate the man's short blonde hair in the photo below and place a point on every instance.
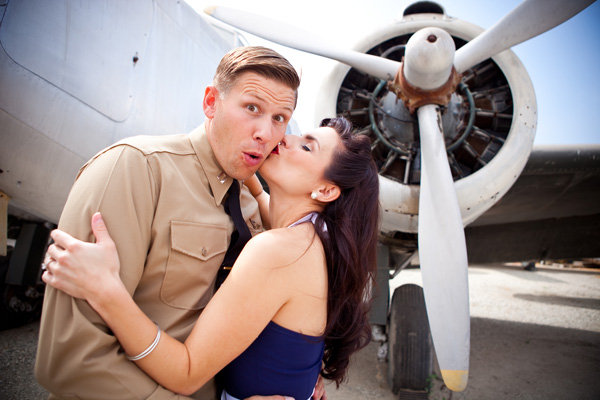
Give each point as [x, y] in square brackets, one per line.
[260, 60]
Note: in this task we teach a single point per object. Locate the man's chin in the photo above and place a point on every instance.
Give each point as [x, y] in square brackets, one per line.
[243, 175]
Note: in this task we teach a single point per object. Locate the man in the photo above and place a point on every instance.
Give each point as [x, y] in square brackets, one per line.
[162, 200]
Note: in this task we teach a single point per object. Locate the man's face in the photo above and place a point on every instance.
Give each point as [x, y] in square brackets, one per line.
[247, 122]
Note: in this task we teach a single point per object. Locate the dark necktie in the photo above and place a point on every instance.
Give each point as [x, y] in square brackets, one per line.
[240, 235]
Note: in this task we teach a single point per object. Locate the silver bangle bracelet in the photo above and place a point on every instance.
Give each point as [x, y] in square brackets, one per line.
[149, 349]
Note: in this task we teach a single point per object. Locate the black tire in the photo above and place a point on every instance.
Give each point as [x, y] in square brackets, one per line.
[410, 357]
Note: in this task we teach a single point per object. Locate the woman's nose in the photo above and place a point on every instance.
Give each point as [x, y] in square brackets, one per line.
[289, 140]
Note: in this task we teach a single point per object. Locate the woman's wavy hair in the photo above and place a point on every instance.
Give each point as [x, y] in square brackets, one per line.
[350, 240]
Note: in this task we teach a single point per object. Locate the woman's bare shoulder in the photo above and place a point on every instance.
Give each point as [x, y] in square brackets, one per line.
[277, 247]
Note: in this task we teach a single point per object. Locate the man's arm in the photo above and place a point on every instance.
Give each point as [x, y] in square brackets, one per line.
[77, 353]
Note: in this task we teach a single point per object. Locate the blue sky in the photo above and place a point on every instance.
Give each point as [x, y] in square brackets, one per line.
[563, 63]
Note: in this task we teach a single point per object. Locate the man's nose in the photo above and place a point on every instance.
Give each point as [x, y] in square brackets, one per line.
[263, 131]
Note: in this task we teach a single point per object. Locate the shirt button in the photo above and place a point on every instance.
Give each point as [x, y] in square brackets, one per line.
[204, 251]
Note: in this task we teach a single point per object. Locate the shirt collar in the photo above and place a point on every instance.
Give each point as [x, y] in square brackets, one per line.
[218, 180]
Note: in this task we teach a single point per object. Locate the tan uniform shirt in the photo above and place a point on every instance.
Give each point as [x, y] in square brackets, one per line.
[161, 200]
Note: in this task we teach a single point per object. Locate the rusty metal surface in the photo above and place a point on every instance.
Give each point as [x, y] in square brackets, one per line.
[414, 97]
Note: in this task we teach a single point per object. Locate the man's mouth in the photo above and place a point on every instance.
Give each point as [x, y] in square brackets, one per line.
[253, 159]
[275, 150]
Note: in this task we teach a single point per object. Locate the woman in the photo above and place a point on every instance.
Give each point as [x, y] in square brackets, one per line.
[294, 303]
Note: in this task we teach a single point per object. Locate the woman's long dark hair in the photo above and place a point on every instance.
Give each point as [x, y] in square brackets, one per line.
[350, 242]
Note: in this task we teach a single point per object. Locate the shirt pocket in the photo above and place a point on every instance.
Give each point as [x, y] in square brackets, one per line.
[195, 256]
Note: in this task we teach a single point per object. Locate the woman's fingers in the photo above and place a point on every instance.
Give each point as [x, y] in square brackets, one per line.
[100, 230]
[63, 239]
[79, 268]
[47, 277]
[62, 271]
[59, 282]
[53, 253]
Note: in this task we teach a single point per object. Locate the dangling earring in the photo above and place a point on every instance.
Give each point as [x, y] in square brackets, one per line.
[313, 195]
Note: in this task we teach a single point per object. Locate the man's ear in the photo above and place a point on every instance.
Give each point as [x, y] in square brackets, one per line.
[210, 101]
[328, 193]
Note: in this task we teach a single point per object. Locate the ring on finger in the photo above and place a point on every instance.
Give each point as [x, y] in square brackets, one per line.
[46, 264]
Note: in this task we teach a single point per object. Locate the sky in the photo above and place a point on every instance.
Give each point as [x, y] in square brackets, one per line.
[563, 63]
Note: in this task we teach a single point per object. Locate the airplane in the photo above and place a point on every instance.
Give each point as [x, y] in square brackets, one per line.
[75, 77]
[514, 201]
[452, 130]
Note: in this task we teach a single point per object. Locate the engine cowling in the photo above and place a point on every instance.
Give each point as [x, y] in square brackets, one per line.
[489, 124]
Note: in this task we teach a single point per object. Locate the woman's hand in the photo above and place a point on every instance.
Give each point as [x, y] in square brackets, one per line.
[254, 185]
[262, 198]
[80, 269]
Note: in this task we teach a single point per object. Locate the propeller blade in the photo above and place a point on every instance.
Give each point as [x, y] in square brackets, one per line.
[527, 20]
[443, 254]
[299, 39]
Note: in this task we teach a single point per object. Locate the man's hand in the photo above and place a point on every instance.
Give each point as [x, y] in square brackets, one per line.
[269, 398]
[319, 393]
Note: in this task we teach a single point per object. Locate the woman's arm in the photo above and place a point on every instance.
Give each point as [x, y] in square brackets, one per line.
[262, 198]
[239, 311]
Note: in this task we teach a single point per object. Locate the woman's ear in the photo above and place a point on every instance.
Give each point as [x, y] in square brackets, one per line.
[328, 193]
[210, 101]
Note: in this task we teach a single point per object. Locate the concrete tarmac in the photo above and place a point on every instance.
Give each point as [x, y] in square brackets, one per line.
[534, 335]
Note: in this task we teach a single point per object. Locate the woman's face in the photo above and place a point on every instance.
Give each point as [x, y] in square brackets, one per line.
[298, 164]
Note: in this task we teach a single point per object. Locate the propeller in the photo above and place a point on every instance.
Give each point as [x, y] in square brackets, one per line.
[529, 19]
[299, 39]
[442, 247]
[431, 65]
[443, 254]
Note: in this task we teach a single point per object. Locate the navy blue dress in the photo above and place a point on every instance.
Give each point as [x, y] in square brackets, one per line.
[279, 362]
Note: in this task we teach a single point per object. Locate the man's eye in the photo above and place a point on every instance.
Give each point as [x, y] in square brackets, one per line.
[252, 107]
[279, 118]
[305, 147]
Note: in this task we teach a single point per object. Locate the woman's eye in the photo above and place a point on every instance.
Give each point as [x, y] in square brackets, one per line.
[252, 107]
[305, 147]
[279, 118]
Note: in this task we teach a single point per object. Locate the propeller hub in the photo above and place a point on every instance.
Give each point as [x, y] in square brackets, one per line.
[427, 75]
[414, 97]
[429, 58]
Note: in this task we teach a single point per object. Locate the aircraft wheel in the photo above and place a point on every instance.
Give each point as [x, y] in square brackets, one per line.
[410, 362]
[18, 305]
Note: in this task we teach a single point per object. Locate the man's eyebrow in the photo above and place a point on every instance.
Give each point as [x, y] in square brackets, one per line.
[264, 100]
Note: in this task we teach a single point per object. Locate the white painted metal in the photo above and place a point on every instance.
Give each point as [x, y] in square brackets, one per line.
[427, 63]
[480, 190]
[442, 249]
[527, 20]
[297, 38]
[69, 89]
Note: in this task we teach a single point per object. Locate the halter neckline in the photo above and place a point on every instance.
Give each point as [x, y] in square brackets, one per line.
[312, 217]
